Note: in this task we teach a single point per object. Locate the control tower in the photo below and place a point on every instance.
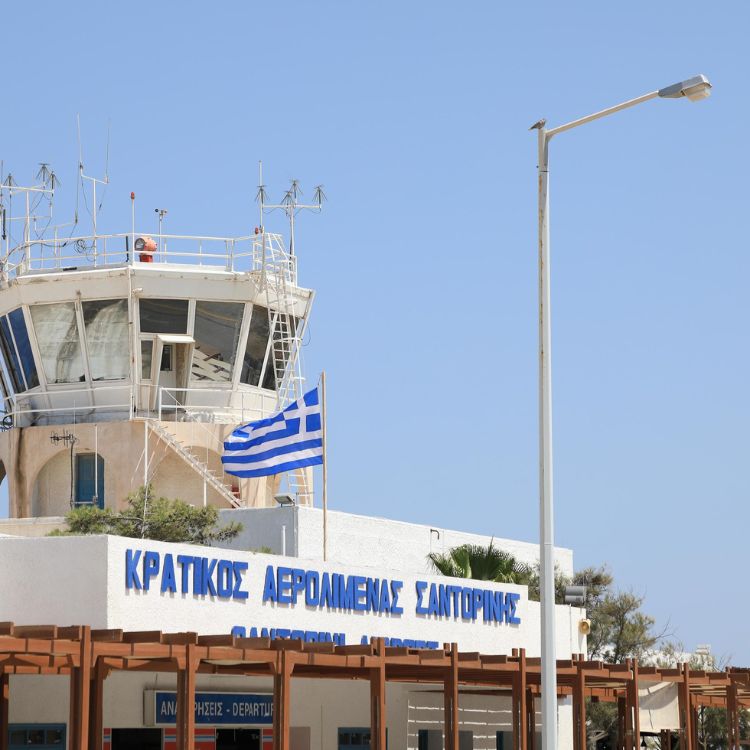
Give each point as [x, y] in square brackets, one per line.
[128, 358]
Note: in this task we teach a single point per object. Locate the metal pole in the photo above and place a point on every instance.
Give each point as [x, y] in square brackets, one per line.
[96, 464]
[325, 465]
[546, 530]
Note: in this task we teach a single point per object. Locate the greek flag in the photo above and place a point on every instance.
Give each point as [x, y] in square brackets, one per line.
[288, 440]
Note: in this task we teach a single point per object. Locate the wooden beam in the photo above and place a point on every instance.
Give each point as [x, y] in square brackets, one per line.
[80, 687]
[450, 701]
[281, 700]
[635, 722]
[377, 700]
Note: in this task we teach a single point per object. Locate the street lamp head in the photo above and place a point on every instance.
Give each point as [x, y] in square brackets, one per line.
[694, 89]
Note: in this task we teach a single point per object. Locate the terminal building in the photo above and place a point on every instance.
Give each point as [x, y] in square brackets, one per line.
[127, 360]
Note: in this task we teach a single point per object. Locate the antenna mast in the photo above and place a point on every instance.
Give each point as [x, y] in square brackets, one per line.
[94, 180]
[290, 204]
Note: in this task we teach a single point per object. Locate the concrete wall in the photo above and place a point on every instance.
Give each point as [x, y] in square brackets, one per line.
[39, 475]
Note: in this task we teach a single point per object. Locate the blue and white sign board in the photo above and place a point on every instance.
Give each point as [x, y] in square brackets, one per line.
[215, 709]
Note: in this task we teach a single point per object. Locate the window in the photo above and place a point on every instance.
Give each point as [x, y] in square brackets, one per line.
[216, 334]
[106, 324]
[23, 345]
[255, 349]
[166, 358]
[147, 352]
[430, 739]
[163, 315]
[353, 737]
[11, 358]
[465, 739]
[56, 328]
[39, 736]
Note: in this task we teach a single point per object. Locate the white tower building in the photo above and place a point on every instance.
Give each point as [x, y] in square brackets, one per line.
[127, 359]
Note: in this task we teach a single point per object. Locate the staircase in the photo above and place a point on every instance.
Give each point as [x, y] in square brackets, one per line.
[198, 466]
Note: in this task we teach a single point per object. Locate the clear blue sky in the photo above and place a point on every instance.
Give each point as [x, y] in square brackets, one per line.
[415, 117]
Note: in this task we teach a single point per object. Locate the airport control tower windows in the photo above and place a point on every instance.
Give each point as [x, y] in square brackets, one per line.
[163, 315]
[14, 339]
[23, 345]
[106, 324]
[56, 328]
[256, 348]
[11, 357]
[217, 334]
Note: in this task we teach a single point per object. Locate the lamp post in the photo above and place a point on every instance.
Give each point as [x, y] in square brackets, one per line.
[694, 89]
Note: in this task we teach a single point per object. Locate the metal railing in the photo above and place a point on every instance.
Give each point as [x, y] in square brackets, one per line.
[259, 252]
[116, 402]
[184, 404]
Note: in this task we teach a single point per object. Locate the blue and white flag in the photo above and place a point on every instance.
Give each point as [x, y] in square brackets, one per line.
[288, 440]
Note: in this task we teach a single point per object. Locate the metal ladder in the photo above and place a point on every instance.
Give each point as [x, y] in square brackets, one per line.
[208, 476]
[280, 278]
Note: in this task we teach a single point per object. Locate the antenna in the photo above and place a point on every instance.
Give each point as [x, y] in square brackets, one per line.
[94, 180]
[291, 206]
[261, 195]
[10, 186]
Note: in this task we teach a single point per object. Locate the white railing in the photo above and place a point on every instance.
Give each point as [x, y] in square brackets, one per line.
[81, 405]
[195, 404]
[241, 254]
[35, 407]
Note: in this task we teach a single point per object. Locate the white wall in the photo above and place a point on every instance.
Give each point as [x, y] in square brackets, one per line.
[81, 580]
[354, 539]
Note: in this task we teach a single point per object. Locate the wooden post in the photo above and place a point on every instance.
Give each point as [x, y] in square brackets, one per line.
[695, 722]
[665, 740]
[621, 722]
[450, 701]
[80, 687]
[683, 695]
[191, 667]
[635, 707]
[519, 699]
[733, 726]
[96, 725]
[530, 720]
[579, 708]
[4, 708]
[180, 713]
[281, 685]
[377, 699]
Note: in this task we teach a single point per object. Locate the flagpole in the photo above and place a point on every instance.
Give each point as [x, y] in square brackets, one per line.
[325, 464]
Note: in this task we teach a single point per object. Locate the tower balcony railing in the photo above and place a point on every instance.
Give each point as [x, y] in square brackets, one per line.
[258, 252]
[120, 403]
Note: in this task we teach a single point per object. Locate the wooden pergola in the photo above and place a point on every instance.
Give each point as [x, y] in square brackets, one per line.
[89, 656]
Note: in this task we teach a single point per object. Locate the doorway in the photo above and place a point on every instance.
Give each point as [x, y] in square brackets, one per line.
[238, 739]
[172, 356]
[89, 480]
[136, 739]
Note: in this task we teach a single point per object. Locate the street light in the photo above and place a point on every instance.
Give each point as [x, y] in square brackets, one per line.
[693, 89]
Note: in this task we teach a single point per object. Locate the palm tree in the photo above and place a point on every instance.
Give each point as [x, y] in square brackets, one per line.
[481, 563]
